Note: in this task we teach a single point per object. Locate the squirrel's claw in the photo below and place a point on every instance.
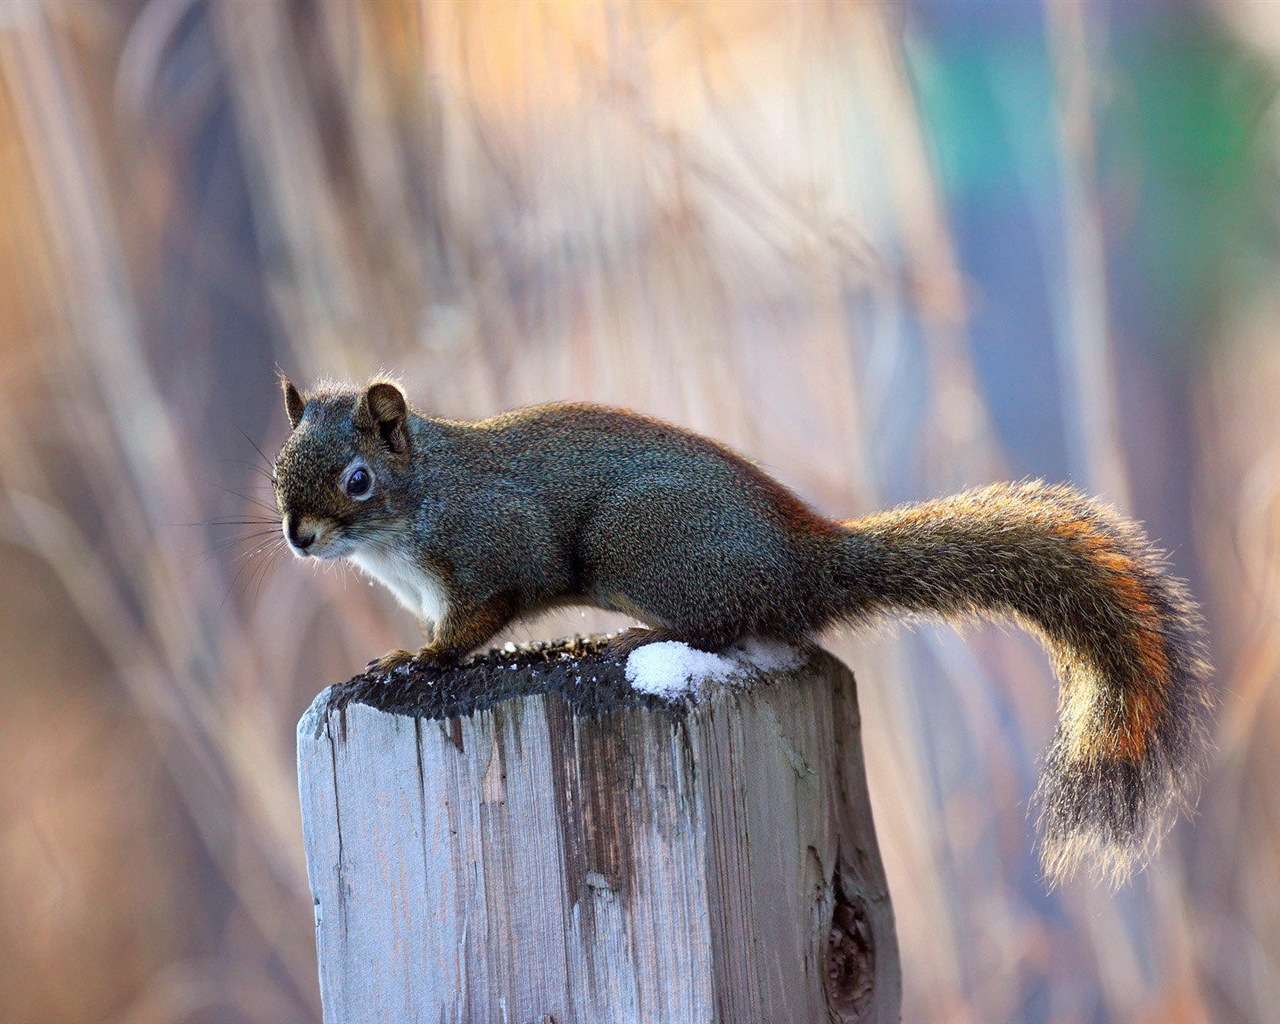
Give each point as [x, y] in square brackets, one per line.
[390, 661]
[425, 657]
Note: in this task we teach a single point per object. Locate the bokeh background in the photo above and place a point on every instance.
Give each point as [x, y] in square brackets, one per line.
[888, 250]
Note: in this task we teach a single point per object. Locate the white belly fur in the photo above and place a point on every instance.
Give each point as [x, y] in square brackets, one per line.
[417, 588]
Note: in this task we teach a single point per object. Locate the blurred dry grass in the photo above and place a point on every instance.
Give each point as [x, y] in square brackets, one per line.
[724, 214]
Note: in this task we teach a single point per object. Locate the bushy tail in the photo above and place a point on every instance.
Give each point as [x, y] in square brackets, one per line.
[1125, 637]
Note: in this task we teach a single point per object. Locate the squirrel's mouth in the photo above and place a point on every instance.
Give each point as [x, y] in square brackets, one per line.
[309, 537]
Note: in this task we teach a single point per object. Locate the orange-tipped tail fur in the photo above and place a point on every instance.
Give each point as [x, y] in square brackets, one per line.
[1125, 638]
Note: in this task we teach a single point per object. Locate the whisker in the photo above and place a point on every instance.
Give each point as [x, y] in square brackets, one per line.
[224, 543]
[264, 473]
[264, 540]
[259, 576]
[254, 445]
[252, 499]
[234, 521]
[255, 569]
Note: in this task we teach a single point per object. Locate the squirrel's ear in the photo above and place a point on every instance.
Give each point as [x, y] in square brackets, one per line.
[293, 401]
[382, 409]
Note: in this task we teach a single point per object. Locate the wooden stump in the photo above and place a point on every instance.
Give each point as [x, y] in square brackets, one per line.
[525, 838]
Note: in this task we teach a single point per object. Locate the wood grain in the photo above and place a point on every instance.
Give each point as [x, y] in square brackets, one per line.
[576, 851]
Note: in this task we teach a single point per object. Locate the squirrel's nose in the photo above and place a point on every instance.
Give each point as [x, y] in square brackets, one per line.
[297, 539]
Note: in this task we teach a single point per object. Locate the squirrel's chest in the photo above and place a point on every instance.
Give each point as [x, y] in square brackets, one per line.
[417, 588]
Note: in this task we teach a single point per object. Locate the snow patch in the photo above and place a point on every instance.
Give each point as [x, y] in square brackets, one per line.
[771, 655]
[673, 669]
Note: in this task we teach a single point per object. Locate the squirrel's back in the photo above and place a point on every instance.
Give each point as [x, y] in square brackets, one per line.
[573, 445]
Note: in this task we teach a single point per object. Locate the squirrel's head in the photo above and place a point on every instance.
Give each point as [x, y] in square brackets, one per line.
[340, 476]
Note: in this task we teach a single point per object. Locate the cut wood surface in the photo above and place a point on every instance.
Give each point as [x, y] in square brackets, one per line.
[525, 838]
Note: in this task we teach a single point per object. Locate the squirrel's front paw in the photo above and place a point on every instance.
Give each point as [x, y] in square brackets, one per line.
[390, 661]
[425, 657]
[433, 657]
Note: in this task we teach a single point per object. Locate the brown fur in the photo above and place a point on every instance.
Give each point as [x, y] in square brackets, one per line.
[569, 503]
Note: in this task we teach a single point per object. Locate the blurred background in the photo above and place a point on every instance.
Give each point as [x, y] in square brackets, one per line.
[887, 250]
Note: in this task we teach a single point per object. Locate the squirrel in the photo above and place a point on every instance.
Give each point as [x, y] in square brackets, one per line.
[474, 524]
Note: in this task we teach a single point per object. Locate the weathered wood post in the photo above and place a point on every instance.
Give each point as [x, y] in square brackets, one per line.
[527, 838]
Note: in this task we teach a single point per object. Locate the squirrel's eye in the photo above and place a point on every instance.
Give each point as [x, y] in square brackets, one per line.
[359, 483]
